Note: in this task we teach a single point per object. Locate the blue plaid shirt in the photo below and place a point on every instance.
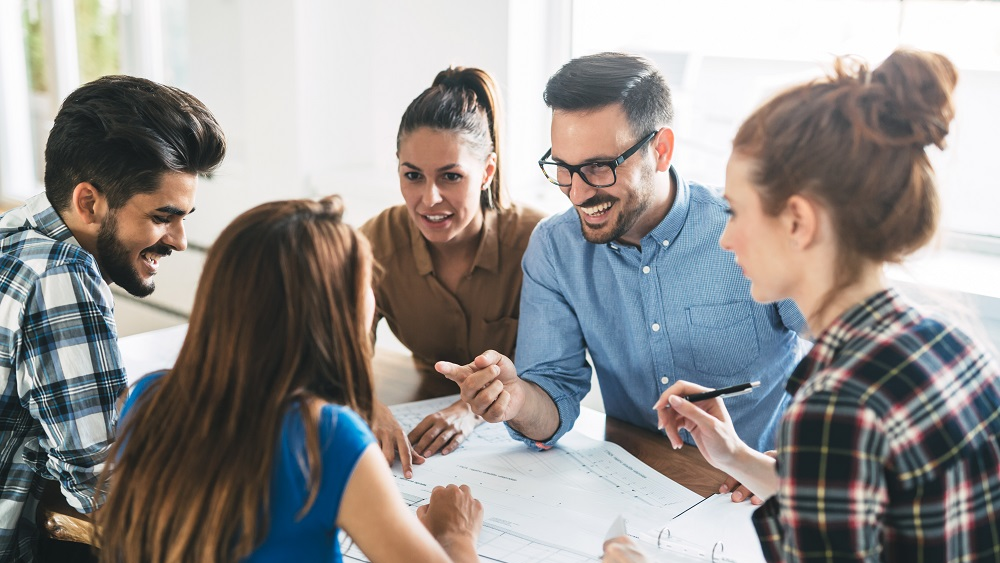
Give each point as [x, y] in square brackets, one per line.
[676, 308]
[60, 368]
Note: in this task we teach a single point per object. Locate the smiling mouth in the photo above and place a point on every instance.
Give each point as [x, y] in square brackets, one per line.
[597, 210]
[437, 218]
[152, 258]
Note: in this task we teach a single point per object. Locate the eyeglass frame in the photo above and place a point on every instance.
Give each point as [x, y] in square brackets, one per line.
[577, 168]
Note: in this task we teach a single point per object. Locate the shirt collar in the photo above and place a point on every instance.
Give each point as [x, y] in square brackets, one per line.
[39, 215]
[852, 324]
[671, 225]
[667, 230]
[487, 255]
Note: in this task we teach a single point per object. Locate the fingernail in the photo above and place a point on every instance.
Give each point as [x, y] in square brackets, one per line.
[724, 489]
[495, 370]
[674, 400]
[408, 474]
[427, 453]
[737, 496]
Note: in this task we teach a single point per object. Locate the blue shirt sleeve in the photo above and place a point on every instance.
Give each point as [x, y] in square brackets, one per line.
[551, 349]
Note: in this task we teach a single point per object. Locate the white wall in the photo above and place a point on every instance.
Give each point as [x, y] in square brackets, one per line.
[310, 92]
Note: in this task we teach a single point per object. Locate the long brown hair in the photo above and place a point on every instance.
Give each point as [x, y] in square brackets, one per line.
[463, 100]
[278, 319]
[855, 141]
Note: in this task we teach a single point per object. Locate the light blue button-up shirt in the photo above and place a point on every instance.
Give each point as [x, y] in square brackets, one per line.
[676, 308]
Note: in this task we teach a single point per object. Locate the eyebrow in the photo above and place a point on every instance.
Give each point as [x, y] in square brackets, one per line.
[590, 160]
[442, 169]
[170, 209]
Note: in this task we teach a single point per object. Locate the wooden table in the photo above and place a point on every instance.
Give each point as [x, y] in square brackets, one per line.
[397, 381]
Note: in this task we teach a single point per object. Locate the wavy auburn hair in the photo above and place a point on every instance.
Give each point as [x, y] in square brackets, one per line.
[278, 320]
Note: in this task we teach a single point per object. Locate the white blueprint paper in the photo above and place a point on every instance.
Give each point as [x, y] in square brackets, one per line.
[543, 506]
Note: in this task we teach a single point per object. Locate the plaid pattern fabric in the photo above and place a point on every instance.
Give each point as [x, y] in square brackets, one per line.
[676, 308]
[60, 368]
[890, 450]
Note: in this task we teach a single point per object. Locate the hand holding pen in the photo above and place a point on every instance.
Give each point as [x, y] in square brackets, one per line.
[701, 412]
[731, 391]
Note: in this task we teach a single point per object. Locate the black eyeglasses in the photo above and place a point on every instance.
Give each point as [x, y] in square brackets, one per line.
[599, 173]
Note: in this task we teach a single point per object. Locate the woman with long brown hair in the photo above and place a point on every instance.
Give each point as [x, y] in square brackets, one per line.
[451, 252]
[890, 448]
[255, 446]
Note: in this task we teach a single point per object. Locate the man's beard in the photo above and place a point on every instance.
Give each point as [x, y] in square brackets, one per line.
[638, 202]
[116, 262]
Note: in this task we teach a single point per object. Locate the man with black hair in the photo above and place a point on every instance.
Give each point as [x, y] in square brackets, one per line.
[632, 273]
[122, 166]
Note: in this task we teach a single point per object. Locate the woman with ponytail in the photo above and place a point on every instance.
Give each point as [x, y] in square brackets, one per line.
[254, 447]
[890, 448]
[451, 254]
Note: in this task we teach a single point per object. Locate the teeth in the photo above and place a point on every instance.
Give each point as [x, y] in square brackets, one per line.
[436, 218]
[597, 209]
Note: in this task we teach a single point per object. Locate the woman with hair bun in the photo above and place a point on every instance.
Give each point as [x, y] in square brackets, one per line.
[451, 254]
[890, 448]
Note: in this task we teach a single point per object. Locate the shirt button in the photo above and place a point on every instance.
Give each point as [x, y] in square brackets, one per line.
[656, 327]
[666, 243]
[664, 380]
[645, 269]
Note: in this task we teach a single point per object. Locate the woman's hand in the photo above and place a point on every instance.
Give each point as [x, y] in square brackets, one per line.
[454, 518]
[707, 421]
[391, 439]
[739, 490]
[623, 550]
[444, 430]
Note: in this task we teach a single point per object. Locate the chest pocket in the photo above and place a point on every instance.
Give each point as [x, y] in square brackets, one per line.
[723, 337]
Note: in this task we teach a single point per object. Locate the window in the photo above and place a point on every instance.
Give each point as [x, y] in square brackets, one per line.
[48, 49]
[724, 57]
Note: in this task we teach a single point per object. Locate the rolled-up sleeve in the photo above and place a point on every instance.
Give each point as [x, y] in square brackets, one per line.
[70, 374]
[551, 350]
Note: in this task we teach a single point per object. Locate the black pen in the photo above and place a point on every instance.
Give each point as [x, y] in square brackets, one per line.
[724, 392]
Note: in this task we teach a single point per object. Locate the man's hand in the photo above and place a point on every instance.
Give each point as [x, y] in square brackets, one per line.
[391, 439]
[444, 430]
[489, 384]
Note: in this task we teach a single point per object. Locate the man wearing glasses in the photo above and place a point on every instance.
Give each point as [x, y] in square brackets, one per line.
[632, 274]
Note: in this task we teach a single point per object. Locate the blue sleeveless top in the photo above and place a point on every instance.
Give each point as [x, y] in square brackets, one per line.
[343, 437]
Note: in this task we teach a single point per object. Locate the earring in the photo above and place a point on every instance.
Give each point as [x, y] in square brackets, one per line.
[488, 190]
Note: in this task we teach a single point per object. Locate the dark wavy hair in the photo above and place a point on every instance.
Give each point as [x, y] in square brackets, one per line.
[596, 81]
[122, 133]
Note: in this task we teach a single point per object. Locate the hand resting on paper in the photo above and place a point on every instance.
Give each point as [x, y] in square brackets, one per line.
[444, 430]
[391, 439]
[741, 492]
[455, 518]
[623, 550]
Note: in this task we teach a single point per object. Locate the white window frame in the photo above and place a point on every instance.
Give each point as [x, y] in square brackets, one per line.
[142, 55]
